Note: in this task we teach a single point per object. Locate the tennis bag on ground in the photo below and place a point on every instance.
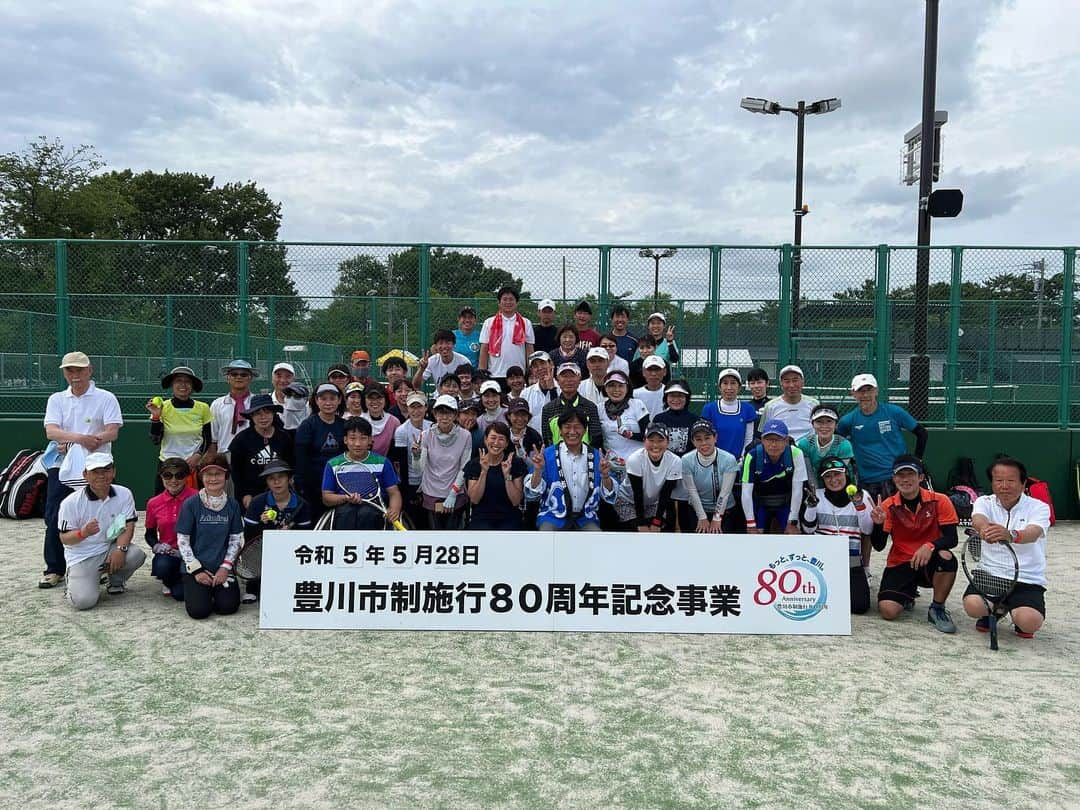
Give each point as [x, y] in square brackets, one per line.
[22, 486]
[963, 483]
[1040, 490]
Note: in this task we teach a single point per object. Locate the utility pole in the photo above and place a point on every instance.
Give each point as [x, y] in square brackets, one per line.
[1039, 266]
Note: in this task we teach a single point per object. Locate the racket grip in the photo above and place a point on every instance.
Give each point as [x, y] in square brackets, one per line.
[399, 526]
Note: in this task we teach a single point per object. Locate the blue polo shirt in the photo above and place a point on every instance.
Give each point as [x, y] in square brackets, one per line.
[877, 438]
[468, 345]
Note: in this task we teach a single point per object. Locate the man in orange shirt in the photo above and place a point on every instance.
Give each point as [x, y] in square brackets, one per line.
[922, 525]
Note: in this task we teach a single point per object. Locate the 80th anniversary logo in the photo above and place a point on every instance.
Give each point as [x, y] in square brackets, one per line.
[794, 585]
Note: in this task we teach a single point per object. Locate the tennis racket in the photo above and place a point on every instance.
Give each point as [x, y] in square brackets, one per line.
[992, 575]
[249, 560]
[371, 496]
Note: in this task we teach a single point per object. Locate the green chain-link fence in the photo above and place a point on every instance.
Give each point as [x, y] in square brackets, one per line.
[1002, 321]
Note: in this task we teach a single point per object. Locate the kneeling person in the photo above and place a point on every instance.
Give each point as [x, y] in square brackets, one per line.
[96, 525]
[1010, 516]
[354, 479]
[278, 509]
[923, 529]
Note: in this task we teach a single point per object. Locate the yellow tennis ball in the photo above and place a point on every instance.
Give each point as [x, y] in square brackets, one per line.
[157, 402]
[271, 514]
[852, 490]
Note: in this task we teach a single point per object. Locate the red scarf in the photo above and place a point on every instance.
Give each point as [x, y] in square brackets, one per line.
[495, 337]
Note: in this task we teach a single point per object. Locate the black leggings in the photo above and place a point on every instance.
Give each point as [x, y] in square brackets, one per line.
[202, 600]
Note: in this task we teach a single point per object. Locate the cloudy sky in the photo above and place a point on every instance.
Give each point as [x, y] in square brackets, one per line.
[565, 122]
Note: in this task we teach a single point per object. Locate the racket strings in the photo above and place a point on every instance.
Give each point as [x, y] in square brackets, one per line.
[990, 585]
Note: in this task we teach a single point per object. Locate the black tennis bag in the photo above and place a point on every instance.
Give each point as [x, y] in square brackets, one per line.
[22, 486]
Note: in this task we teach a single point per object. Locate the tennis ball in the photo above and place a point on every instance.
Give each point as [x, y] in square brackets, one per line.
[271, 514]
[157, 402]
[852, 490]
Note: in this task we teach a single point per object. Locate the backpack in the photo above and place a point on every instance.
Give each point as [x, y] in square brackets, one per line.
[963, 488]
[22, 486]
[1040, 490]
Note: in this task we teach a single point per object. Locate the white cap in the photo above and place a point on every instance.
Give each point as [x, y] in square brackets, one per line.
[653, 361]
[659, 315]
[96, 461]
[676, 388]
[791, 368]
[539, 356]
[730, 372]
[574, 367]
[416, 398]
[597, 351]
[445, 401]
[860, 380]
[547, 303]
[327, 388]
[490, 385]
[284, 367]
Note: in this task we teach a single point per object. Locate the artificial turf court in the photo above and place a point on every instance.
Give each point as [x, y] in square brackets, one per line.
[133, 704]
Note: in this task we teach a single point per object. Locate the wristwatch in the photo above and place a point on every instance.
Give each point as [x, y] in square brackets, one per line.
[194, 566]
[123, 549]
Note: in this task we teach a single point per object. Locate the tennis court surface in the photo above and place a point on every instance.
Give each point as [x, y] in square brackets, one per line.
[132, 704]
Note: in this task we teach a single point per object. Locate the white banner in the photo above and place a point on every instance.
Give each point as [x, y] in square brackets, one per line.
[552, 581]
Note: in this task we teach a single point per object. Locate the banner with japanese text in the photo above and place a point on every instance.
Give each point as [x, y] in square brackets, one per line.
[551, 581]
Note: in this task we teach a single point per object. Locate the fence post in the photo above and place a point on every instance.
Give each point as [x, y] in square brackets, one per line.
[952, 370]
[783, 320]
[424, 290]
[170, 339]
[714, 311]
[271, 329]
[243, 304]
[373, 332]
[63, 303]
[1068, 290]
[991, 350]
[882, 337]
[605, 284]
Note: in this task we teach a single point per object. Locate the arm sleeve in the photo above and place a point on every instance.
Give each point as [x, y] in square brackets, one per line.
[206, 439]
[798, 478]
[596, 430]
[693, 497]
[748, 436]
[545, 426]
[808, 519]
[236, 532]
[673, 353]
[921, 437]
[157, 431]
[185, 524]
[726, 485]
[866, 523]
[637, 487]
[948, 538]
[747, 490]
[665, 507]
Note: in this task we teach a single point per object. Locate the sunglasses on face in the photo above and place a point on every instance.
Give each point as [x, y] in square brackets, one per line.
[173, 476]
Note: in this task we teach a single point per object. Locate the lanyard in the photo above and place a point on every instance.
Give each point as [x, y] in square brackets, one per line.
[587, 451]
[715, 473]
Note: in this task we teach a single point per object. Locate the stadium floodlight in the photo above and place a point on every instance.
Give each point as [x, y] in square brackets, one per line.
[800, 111]
[760, 105]
[656, 256]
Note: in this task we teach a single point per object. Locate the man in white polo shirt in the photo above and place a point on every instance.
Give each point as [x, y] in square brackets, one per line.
[507, 337]
[227, 411]
[1010, 516]
[80, 420]
[96, 524]
[791, 407]
[596, 360]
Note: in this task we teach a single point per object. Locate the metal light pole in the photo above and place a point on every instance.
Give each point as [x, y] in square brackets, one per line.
[800, 111]
[656, 256]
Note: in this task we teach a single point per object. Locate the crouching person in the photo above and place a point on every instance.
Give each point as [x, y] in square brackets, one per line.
[96, 524]
[569, 479]
[209, 533]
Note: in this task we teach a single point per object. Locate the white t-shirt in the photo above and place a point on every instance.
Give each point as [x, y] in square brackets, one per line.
[652, 475]
[221, 426]
[437, 368]
[654, 400]
[796, 417]
[537, 399]
[511, 354]
[591, 391]
[615, 443]
[88, 414]
[81, 506]
[404, 436]
[1031, 556]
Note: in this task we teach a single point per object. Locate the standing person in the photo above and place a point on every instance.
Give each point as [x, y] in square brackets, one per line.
[162, 512]
[506, 338]
[626, 344]
[524, 441]
[569, 479]
[733, 419]
[515, 381]
[545, 330]
[293, 402]
[757, 381]
[664, 338]
[180, 426]
[773, 476]
[209, 534]
[922, 525]
[824, 442]
[357, 471]
[96, 524]
[81, 419]
[677, 416]
[645, 501]
[319, 438]
[467, 381]
[876, 431]
[340, 375]
[567, 350]
[227, 411]
[569, 378]
[791, 407]
[654, 370]
[354, 401]
[467, 336]
[360, 362]
[439, 362]
[708, 476]
[468, 419]
[495, 481]
[402, 389]
[440, 455]
[544, 390]
[586, 335]
[394, 370]
[254, 447]
[277, 508]
[609, 342]
[1010, 516]
[407, 434]
[491, 399]
[832, 512]
[596, 362]
[382, 424]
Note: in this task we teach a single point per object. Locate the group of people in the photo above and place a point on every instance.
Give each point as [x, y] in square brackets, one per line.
[528, 426]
